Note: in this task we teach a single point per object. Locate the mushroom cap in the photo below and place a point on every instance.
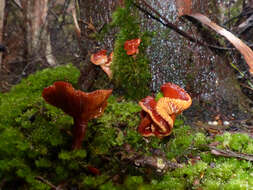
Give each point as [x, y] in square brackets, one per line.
[78, 104]
[174, 91]
[157, 118]
[175, 101]
[145, 127]
[153, 123]
[131, 46]
[106, 67]
[99, 58]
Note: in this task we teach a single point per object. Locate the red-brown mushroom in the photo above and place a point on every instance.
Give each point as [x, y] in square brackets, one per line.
[100, 58]
[157, 118]
[80, 105]
[131, 46]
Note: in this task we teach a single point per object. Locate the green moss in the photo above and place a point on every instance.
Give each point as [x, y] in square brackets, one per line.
[35, 140]
[237, 142]
[29, 130]
[178, 146]
[130, 73]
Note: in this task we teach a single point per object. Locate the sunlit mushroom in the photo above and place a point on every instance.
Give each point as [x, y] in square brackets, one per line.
[132, 46]
[80, 105]
[157, 118]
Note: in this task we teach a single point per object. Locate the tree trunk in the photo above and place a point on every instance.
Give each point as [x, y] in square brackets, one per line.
[37, 35]
[2, 7]
[92, 22]
[206, 74]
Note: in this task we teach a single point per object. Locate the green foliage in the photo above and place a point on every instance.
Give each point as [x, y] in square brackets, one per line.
[131, 73]
[158, 96]
[30, 135]
[179, 145]
[35, 137]
[237, 142]
[116, 127]
[35, 142]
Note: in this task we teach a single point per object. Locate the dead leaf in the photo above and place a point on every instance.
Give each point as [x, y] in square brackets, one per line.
[184, 7]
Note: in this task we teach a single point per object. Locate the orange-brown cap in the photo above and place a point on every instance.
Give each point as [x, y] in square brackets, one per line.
[160, 116]
[80, 105]
[152, 123]
[131, 46]
[99, 58]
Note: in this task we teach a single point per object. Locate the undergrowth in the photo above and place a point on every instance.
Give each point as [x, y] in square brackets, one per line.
[35, 146]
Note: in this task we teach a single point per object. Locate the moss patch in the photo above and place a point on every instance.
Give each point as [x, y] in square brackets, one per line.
[35, 143]
[130, 73]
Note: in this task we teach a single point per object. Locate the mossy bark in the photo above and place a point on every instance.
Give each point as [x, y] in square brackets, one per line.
[98, 19]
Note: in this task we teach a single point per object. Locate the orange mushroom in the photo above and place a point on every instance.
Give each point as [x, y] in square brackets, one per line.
[100, 58]
[152, 124]
[131, 46]
[80, 105]
[157, 118]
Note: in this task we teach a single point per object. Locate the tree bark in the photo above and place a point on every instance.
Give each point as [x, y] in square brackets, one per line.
[2, 8]
[204, 72]
[37, 35]
[92, 22]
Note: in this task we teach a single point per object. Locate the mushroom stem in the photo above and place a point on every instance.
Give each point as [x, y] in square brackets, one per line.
[78, 132]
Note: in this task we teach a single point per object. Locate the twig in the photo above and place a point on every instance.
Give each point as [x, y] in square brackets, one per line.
[229, 153]
[46, 182]
[172, 26]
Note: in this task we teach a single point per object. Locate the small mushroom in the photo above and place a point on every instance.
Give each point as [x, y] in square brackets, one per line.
[152, 124]
[80, 105]
[157, 118]
[131, 46]
[100, 58]
[175, 101]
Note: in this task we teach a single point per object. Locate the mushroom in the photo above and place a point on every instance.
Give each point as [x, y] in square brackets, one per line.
[152, 124]
[80, 105]
[100, 58]
[157, 118]
[131, 46]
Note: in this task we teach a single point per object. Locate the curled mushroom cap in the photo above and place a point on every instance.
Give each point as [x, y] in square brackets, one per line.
[152, 123]
[175, 100]
[131, 46]
[157, 118]
[80, 105]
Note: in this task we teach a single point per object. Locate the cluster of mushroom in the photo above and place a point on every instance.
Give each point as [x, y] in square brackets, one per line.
[101, 58]
[80, 105]
[158, 117]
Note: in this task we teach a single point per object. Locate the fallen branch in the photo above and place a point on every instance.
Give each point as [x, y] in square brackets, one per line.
[46, 182]
[229, 153]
